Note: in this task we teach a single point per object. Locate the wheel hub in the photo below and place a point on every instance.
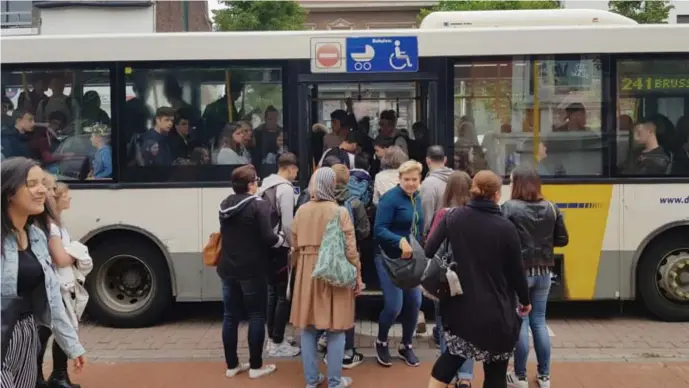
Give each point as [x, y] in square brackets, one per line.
[125, 283]
[674, 276]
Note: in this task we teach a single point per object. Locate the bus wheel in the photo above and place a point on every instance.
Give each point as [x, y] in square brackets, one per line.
[663, 277]
[129, 285]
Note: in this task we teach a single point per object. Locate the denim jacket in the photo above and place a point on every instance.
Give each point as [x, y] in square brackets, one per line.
[49, 310]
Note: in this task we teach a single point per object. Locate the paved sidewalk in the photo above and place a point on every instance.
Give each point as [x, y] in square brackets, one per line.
[370, 375]
[611, 339]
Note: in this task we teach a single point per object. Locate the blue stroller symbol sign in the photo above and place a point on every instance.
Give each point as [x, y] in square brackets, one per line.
[382, 54]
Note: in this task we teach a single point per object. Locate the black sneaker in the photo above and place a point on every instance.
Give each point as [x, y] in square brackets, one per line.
[407, 354]
[383, 354]
[354, 361]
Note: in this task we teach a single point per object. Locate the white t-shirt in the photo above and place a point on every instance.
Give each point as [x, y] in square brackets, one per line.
[61, 233]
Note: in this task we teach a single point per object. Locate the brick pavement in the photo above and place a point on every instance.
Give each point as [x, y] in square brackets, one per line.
[369, 375]
[627, 338]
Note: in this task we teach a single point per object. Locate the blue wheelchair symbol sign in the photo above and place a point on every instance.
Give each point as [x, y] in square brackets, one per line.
[382, 54]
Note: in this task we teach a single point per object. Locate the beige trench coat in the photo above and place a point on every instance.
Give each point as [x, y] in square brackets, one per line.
[314, 302]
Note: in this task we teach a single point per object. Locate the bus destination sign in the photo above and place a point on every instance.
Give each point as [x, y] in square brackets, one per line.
[654, 83]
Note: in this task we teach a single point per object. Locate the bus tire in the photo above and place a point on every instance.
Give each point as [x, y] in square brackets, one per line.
[130, 284]
[654, 299]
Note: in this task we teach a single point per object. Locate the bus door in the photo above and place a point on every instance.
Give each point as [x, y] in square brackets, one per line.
[411, 98]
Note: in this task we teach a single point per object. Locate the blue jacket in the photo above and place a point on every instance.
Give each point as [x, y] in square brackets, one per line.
[49, 308]
[398, 215]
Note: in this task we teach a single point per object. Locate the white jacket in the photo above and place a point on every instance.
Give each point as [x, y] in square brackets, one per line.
[72, 281]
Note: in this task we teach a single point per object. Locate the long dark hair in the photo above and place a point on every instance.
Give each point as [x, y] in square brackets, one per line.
[526, 184]
[457, 189]
[14, 172]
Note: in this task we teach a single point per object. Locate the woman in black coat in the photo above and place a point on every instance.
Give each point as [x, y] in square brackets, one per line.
[482, 324]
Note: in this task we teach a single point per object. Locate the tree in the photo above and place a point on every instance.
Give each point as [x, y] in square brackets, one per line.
[644, 12]
[489, 5]
[259, 16]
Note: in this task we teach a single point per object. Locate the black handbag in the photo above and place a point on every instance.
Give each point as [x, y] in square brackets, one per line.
[11, 306]
[440, 281]
[407, 273]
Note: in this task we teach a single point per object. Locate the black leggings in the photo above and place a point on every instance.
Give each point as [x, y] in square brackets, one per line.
[59, 356]
[446, 366]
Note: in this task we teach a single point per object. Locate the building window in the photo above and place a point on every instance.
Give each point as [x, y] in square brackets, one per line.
[182, 127]
[389, 25]
[682, 19]
[16, 14]
[340, 24]
[68, 114]
[544, 112]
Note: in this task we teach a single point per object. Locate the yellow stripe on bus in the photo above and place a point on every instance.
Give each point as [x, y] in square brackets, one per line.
[585, 209]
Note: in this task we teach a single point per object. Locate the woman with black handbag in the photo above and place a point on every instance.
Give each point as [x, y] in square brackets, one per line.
[399, 221]
[456, 195]
[487, 256]
[30, 289]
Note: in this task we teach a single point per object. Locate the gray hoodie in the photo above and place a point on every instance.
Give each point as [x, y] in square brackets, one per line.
[286, 200]
[432, 190]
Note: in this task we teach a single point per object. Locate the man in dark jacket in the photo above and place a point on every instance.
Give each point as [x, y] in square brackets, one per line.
[247, 236]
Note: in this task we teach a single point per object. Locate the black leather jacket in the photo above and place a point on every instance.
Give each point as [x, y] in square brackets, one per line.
[541, 227]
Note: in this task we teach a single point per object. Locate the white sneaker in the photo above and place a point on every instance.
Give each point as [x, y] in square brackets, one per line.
[513, 381]
[264, 371]
[321, 379]
[239, 369]
[345, 382]
[543, 381]
[283, 349]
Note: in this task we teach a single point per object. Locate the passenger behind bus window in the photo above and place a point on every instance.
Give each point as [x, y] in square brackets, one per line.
[345, 152]
[155, 142]
[233, 149]
[216, 114]
[269, 164]
[179, 137]
[101, 167]
[15, 140]
[173, 93]
[7, 106]
[137, 111]
[339, 128]
[419, 145]
[91, 110]
[266, 137]
[469, 155]
[36, 95]
[388, 129]
[576, 119]
[651, 158]
[57, 123]
[57, 101]
[200, 156]
[379, 146]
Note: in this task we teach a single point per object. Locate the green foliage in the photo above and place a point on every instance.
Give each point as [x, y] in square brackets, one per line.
[488, 5]
[259, 15]
[644, 12]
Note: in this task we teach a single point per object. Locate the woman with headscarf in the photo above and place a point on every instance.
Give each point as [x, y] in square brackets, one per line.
[316, 305]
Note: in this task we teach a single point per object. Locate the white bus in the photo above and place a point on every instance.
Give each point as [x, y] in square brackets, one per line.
[491, 96]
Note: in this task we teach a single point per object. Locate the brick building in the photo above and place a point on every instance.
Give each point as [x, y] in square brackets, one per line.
[18, 17]
[363, 15]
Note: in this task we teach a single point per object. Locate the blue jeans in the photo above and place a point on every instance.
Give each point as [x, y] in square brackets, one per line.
[394, 299]
[251, 296]
[310, 358]
[466, 371]
[539, 288]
